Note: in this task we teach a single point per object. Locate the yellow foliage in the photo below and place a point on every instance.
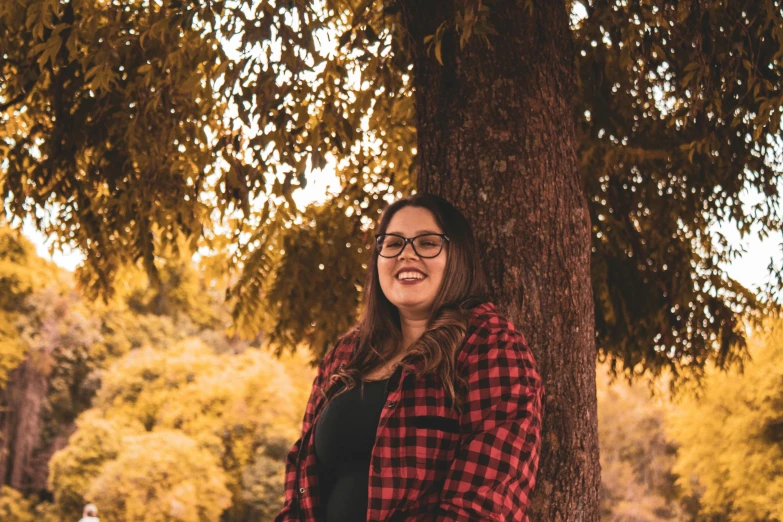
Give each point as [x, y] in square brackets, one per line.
[22, 272]
[297, 364]
[161, 476]
[14, 507]
[179, 293]
[732, 436]
[12, 349]
[636, 459]
[96, 441]
[140, 384]
[244, 410]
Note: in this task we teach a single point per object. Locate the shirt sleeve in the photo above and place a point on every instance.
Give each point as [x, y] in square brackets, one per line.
[494, 471]
[289, 513]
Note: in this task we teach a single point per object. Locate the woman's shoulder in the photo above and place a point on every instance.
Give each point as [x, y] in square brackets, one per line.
[489, 325]
[350, 337]
[342, 348]
[487, 315]
[494, 336]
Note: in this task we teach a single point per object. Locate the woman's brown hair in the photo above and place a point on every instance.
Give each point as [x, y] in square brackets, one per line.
[463, 287]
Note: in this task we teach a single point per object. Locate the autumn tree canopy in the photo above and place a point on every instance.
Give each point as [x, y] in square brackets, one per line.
[146, 127]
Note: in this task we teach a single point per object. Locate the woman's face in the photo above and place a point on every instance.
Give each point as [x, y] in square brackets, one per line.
[413, 298]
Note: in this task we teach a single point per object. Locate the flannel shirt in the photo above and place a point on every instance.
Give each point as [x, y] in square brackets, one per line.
[428, 462]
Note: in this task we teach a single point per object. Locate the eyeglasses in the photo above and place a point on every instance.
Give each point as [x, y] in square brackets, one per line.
[425, 245]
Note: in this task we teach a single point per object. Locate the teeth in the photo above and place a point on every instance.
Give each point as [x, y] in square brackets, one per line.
[410, 275]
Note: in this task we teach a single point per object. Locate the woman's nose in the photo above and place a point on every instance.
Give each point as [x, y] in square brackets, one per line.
[405, 248]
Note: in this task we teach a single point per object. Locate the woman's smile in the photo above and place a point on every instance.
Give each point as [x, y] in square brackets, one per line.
[410, 275]
[413, 281]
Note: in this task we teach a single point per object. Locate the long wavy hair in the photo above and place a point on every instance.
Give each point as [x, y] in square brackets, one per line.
[463, 287]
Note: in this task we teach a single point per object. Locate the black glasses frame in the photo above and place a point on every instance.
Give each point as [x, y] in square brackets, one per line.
[406, 240]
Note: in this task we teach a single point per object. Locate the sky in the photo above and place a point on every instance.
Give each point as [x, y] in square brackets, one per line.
[751, 268]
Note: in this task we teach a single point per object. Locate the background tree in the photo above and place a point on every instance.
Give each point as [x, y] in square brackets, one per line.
[733, 457]
[64, 348]
[679, 117]
[36, 319]
[22, 272]
[637, 456]
[56, 345]
[53, 383]
[676, 106]
[161, 476]
[95, 442]
[231, 411]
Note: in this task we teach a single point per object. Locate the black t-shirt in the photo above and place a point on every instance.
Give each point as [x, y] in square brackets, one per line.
[344, 438]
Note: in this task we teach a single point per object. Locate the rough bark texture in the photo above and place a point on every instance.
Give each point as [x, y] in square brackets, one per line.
[23, 461]
[496, 137]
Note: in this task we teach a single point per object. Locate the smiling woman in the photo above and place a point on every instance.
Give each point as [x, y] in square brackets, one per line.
[421, 263]
[430, 408]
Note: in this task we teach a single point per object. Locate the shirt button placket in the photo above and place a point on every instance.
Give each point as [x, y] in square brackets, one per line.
[377, 467]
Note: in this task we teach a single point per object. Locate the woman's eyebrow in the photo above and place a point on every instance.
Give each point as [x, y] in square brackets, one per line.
[417, 233]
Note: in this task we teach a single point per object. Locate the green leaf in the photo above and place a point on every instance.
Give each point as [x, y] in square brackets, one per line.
[438, 51]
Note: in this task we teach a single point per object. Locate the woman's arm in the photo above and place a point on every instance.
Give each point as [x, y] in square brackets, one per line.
[493, 473]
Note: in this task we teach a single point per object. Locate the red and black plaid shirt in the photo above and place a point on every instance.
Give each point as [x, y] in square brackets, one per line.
[429, 463]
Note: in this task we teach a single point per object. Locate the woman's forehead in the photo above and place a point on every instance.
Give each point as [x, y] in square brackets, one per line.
[413, 221]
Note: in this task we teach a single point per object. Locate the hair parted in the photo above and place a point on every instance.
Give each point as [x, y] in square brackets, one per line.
[463, 287]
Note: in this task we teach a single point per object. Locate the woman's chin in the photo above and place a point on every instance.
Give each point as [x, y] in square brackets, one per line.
[409, 304]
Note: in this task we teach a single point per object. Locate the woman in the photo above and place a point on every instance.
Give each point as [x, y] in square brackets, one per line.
[431, 407]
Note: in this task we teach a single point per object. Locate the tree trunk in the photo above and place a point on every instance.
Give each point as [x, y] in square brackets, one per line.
[496, 137]
[20, 428]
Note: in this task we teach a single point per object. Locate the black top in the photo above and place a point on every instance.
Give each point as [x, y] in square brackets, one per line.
[344, 438]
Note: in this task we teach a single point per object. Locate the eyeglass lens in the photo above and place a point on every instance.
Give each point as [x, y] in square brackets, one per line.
[425, 246]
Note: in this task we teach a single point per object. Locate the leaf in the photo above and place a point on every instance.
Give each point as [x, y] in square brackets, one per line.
[436, 40]
[758, 131]
[193, 82]
[92, 71]
[345, 38]
[50, 49]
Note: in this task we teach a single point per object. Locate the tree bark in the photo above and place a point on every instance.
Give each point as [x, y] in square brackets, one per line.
[496, 137]
[20, 428]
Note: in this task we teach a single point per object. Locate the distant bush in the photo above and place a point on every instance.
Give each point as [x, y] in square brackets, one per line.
[189, 430]
[163, 475]
[14, 507]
